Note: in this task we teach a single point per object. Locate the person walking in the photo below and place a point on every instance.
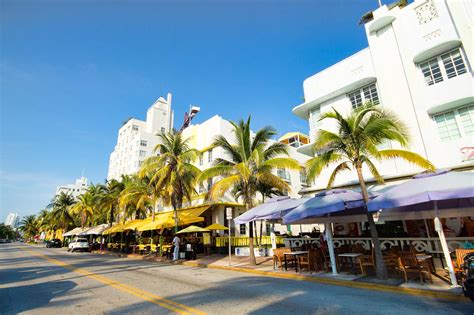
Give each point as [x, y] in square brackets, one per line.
[176, 242]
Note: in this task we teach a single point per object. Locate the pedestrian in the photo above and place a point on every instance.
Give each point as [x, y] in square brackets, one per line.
[176, 242]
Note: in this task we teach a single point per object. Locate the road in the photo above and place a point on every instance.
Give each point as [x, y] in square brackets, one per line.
[38, 280]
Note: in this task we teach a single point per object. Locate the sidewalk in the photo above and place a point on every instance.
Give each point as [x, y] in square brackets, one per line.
[438, 289]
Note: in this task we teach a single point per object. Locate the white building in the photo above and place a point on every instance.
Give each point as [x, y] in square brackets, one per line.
[76, 189]
[201, 138]
[419, 65]
[13, 219]
[137, 139]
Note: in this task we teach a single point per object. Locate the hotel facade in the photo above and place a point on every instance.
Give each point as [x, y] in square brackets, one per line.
[418, 65]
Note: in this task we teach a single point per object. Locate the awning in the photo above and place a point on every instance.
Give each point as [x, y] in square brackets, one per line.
[193, 229]
[166, 219]
[114, 229]
[75, 231]
[217, 226]
[96, 230]
[132, 225]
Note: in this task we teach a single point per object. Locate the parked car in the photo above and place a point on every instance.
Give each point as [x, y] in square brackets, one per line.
[54, 243]
[79, 244]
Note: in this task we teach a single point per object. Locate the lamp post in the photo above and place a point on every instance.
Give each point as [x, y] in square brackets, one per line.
[228, 212]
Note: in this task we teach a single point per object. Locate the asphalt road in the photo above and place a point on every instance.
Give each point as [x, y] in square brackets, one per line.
[52, 281]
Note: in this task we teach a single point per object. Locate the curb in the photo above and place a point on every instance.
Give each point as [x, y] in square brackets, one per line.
[352, 284]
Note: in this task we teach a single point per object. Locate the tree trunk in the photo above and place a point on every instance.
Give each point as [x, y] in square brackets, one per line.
[252, 260]
[256, 234]
[261, 232]
[380, 269]
[111, 216]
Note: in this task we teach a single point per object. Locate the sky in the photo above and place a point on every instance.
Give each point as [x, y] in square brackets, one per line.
[72, 71]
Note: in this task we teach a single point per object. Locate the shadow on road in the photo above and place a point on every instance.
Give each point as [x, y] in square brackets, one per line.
[14, 300]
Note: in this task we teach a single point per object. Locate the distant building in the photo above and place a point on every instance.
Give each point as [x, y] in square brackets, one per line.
[137, 138]
[76, 189]
[13, 219]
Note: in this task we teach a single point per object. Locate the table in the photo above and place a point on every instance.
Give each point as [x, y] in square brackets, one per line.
[352, 258]
[423, 257]
[295, 254]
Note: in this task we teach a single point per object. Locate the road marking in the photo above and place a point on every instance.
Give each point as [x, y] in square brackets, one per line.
[150, 297]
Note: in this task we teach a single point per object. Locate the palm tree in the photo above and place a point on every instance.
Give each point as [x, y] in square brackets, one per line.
[138, 197]
[172, 170]
[61, 206]
[84, 207]
[355, 145]
[109, 197]
[29, 226]
[250, 164]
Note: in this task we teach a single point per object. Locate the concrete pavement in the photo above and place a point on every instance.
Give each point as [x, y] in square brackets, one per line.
[51, 281]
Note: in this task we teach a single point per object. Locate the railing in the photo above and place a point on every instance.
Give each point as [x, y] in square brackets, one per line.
[421, 244]
[243, 241]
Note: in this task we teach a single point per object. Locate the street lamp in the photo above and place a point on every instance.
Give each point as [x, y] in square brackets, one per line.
[193, 110]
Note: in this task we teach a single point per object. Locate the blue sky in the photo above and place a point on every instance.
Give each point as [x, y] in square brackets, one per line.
[73, 71]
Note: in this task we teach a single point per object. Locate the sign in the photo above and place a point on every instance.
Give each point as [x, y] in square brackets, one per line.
[206, 238]
[228, 212]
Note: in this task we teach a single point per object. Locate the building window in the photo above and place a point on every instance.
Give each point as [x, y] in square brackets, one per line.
[466, 115]
[243, 229]
[142, 153]
[143, 143]
[140, 163]
[366, 94]
[209, 156]
[135, 128]
[370, 94]
[447, 65]
[163, 129]
[431, 71]
[355, 98]
[283, 174]
[453, 63]
[209, 184]
[303, 177]
[447, 126]
[201, 159]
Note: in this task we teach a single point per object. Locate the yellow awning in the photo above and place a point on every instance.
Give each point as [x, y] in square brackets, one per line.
[217, 226]
[132, 225]
[166, 219]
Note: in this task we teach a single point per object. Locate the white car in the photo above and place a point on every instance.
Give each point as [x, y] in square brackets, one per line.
[81, 244]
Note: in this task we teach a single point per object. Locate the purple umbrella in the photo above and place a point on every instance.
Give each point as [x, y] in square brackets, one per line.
[326, 203]
[430, 195]
[447, 189]
[273, 209]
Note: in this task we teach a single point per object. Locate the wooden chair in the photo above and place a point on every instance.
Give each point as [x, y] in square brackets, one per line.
[409, 264]
[278, 256]
[368, 261]
[460, 254]
[310, 261]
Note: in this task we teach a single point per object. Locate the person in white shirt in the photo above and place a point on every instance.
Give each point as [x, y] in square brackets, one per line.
[176, 242]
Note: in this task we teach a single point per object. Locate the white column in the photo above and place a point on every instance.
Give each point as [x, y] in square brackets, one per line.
[272, 235]
[444, 246]
[332, 256]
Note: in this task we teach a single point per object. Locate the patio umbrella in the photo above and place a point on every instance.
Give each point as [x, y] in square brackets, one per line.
[325, 204]
[273, 209]
[430, 194]
[193, 229]
[217, 226]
